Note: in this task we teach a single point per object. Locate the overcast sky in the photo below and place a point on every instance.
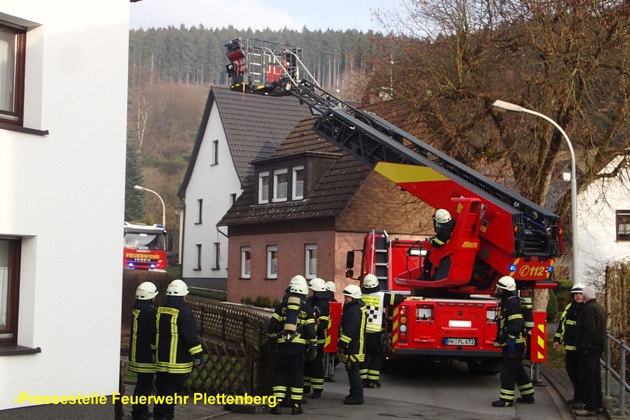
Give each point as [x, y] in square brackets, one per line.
[260, 14]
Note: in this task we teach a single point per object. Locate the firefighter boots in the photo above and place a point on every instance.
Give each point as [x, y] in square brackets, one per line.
[502, 403]
[526, 399]
[297, 409]
[317, 393]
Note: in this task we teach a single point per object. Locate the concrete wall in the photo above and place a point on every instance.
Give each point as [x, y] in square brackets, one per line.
[64, 195]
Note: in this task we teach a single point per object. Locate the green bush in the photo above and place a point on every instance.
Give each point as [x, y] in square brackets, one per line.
[552, 307]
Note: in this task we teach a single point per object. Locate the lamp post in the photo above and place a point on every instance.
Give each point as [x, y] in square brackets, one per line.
[139, 188]
[507, 106]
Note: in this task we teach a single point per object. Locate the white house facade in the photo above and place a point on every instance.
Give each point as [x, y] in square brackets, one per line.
[235, 130]
[63, 106]
[604, 223]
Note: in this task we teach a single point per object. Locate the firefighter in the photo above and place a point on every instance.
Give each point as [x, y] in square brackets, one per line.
[331, 288]
[510, 337]
[443, 224]
[142, 347]
[351, 344]
[565, 334]
[292, 327]
[314, 369]
[178, 347]
[376, 305]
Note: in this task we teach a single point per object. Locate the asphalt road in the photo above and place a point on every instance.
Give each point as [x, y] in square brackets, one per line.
[419, 390]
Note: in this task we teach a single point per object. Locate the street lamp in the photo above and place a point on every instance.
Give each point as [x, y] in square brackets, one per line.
[139, 188]
[507, 106]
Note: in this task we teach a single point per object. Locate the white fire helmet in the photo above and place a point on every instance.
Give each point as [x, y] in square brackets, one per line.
[298, 280]
[370, 281]
[442, 216]
[146, 291]
[577, 288]
[507, 283]
[177, 288]
[300, 289]
[331, 286]
[317, 285]
[353, 291]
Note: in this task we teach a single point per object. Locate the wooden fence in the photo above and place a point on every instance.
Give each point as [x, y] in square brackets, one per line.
[234, 339]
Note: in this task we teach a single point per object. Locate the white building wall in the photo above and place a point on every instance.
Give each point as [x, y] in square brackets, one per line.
[64, 193]
[214, 184]
[597, 242]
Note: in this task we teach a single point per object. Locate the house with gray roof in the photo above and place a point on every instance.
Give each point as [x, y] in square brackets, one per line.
[235, 130]
[310, 203]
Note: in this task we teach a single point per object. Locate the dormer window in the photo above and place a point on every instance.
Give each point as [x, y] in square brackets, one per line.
[263, 187]
[280, 184]
[297, 182]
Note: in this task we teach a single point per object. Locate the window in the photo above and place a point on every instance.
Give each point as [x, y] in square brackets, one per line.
[310, 269]
[623, 225]
[10, 250]
[298, 183]
[199, 211]
[272, 262]
[198, 266]
[246, 261]
[217, 256]
[280, 182]
[215, 152]
[263, 187]
[232, 199]
[12, 61]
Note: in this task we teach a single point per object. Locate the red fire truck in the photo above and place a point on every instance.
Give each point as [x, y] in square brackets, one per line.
[497, 232]
[145, 246]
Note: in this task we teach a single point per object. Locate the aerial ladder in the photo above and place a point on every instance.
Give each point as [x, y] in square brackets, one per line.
[503, 233]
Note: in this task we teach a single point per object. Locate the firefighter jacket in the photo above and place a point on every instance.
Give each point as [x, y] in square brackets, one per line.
[292, 322]
[177, 341]
[142, 344]
[509, 320]
[443, 234]
[321, 313]
[567, 326]
[590, 333]
[376, 304]
[352, 329]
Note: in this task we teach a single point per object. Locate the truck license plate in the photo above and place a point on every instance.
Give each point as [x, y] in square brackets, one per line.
[460, 341]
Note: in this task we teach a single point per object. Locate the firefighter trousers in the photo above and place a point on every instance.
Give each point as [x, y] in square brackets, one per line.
[354, 379]
[289, 372]
[572, 364]
[144, 387]
[371, 367]
[314, 371]
[513, 372]
[168, 384]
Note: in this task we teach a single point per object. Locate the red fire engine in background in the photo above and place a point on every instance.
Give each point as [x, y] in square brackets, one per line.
[497, 232]
[145, 246]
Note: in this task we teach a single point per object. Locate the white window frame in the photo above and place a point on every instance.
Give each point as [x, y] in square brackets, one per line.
[199, 255]
[272, 261]
[263, 194]
[215, 152]
[280, 194]
[297, 193]
[310, 261]
[246, 262]
[216, 258]
[622, 222]
[199, 211]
